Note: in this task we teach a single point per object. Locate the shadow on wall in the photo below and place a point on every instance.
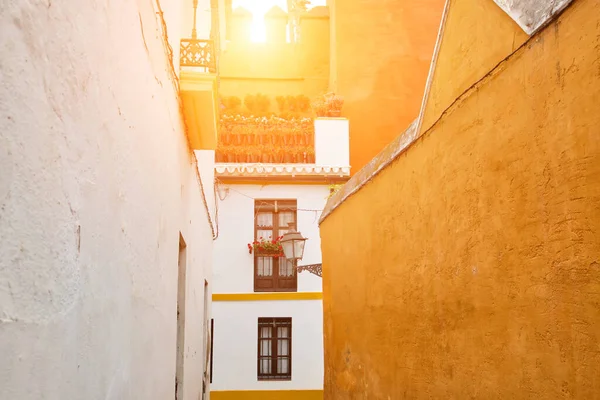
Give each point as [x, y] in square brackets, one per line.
[387, 109]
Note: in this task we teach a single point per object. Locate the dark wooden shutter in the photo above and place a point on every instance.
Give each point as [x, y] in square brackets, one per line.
[287, 277]
[273, 218]
[264, 274]
[274, 357]
[285, 220]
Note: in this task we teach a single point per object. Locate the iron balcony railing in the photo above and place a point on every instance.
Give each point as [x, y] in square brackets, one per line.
[198, 53]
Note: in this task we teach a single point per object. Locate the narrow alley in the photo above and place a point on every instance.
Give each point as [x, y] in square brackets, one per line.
[299, 200]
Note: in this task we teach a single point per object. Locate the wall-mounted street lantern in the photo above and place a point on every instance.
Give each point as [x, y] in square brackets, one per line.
[293, 245]
[293, 249]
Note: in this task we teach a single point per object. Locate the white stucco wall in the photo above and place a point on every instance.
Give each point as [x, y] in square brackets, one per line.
[236, 322]
[332, 142]
[233, 265]
[236, 344]
[96, 184]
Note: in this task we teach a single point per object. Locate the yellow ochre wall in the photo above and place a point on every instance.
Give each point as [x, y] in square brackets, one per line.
[267, 395]
[480, 36]
[382, 55]
[470, 266]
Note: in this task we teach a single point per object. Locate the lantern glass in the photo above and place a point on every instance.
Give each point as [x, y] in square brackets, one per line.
[293, 245]
[288, 249]
[299, 248]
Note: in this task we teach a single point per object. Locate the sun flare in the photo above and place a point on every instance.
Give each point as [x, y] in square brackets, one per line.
[258, 31]
[259, 8]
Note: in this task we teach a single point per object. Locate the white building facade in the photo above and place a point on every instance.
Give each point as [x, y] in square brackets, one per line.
[267, 318]
[106, 211]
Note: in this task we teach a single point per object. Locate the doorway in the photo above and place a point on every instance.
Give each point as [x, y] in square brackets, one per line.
[181, 281]
[206, 343]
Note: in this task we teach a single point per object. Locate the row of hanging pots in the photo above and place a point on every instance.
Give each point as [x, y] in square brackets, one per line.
[264, 138]
[234, 155]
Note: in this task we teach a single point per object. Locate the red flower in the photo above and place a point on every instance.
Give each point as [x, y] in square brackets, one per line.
[267, 246]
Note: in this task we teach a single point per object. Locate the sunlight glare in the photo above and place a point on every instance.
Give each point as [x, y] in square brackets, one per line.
[259, 8]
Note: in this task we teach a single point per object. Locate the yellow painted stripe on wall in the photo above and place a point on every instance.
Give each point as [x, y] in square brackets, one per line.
[267, 296]
[267, 395]
[260, 180]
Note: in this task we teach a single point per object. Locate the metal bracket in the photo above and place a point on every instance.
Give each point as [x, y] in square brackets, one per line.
[312, 268]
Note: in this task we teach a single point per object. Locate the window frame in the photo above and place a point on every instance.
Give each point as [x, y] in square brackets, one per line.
[274, 323]
[275, 206]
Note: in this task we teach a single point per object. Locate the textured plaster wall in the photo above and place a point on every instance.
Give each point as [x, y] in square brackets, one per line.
[469, 267]
[382, 58]
[96, 184]
[482, 35]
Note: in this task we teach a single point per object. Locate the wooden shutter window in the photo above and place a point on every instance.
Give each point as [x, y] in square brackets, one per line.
[274, 360]
[274, 218]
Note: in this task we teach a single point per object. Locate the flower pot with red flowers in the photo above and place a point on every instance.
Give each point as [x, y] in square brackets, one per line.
[334, 104]
[288, 155]
[219, 153]
[225, 130]
[239, 154]
[253, 154]
[279, 134]
[266, 154]
[225, 134]
[278, 154]
[300, 137]
[329, 105]
[237, 134]
[226, 137]
[230, 154]
[310, 154]
[287, 133]
[297, 155]
[320, 108]
[266, 247]
[274, 135]
[243, 134]
[261, 135]
[251, 134]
